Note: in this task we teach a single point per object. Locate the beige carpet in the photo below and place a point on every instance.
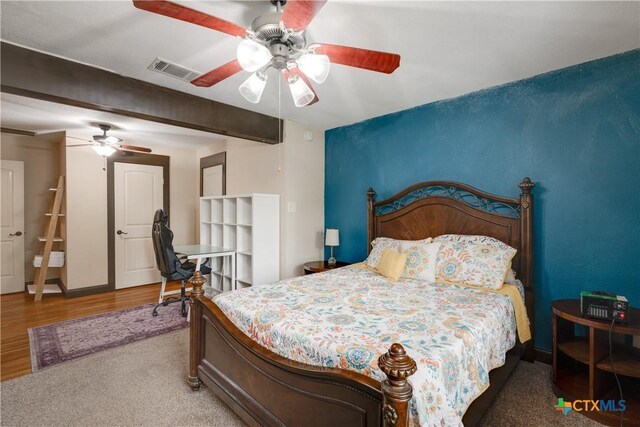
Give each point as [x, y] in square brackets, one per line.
[143, 384]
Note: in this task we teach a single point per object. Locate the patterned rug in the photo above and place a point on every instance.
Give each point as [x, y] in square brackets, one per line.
[73, 339]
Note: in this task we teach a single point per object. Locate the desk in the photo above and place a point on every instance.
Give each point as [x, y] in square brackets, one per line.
[201, 252]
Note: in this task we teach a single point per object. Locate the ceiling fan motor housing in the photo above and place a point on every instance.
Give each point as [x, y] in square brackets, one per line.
[282, 43]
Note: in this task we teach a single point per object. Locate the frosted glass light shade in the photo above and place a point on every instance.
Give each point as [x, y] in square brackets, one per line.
[253, 87]
[252, 55]
[316, 67]
[332, 237]
[112, 140]
[302, 94]
[104, 150]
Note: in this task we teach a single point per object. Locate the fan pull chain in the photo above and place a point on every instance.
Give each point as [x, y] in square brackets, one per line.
[279, 123]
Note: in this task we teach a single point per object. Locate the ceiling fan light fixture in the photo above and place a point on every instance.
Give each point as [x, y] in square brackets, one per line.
[104, 150]
[252, 55]
[112, 140]
[253, 87]
[301, 93]
[315, 66]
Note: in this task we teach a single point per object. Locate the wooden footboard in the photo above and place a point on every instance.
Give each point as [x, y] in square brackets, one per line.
[264, 388]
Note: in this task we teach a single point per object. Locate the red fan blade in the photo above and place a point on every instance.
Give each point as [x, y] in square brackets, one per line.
[183, 13]
[304, 77]
[373, 60]
[132, 148]
[299, 13]
[218, 75]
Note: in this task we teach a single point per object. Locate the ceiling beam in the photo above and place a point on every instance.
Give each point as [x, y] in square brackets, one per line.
[37, 75]
[18, 131]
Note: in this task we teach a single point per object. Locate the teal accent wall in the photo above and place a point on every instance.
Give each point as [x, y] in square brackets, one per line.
[575, 132]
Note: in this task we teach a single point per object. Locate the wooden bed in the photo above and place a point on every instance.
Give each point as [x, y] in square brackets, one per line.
[264, 388]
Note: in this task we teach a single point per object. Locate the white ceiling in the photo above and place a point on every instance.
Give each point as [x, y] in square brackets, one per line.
[447, 48]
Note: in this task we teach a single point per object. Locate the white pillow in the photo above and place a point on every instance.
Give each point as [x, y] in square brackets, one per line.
[381, 243]
[421, 260]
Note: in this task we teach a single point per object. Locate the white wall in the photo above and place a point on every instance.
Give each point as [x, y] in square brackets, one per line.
[41, 170]
[86, 207]
[295, 171]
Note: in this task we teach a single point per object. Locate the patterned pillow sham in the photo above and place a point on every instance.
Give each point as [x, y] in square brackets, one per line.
[421, 260]
[381, 243]
[465, 238]
[474, 264]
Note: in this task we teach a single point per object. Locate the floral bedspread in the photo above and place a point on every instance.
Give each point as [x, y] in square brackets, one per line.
[348, 317]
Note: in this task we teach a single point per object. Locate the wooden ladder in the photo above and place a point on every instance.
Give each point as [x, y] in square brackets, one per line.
[49, 239]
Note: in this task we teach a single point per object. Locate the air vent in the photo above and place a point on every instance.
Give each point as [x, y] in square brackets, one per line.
[174, 70]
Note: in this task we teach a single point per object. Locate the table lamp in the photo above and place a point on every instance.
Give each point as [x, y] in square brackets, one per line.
[332, 238]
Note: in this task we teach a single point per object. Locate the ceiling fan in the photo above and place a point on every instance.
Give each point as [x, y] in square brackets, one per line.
[277, 39]
[105, 145]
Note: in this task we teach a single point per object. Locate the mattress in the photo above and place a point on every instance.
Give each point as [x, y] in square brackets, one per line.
[346, 318]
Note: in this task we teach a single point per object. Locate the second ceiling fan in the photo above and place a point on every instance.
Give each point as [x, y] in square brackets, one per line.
[277, 39]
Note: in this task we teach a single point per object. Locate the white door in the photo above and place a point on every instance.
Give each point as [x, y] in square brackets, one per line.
[12, 226]
[212, 181]
[138, 193]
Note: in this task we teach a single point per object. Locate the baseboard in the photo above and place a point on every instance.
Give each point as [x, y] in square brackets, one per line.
[92, 290]
[543, 356]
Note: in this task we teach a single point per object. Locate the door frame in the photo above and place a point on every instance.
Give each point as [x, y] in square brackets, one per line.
[214, 160]
[140, 159]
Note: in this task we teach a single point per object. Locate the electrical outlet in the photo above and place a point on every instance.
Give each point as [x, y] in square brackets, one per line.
[291, 207]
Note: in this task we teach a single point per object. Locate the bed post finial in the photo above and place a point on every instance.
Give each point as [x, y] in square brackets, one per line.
[526, 258]
[526, 185]
[196, 281]
[397, 365]
[370, 216]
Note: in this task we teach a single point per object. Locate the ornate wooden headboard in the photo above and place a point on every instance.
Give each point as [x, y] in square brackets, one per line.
[432, 208]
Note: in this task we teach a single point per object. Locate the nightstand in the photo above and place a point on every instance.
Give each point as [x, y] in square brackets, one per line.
[581, 364]
[320, 266]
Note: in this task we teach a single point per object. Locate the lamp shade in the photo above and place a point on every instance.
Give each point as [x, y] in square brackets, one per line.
[332, 237]
[104, 149]
[252, 55]
[301, 93]
[316, 67]
[253, 87]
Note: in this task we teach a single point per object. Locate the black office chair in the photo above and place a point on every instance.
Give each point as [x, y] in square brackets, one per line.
[170, 265]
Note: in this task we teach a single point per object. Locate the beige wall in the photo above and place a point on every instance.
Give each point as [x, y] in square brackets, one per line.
[87, 247]
[86, 219]
[303, 185]
[295, 171]
[41, 159]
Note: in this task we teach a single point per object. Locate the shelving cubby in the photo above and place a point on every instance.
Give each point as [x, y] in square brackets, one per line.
[250, 225]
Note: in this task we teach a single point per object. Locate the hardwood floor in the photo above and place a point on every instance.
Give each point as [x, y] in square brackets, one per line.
[18, 312]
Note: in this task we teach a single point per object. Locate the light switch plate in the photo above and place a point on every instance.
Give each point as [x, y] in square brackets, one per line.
[291, 207]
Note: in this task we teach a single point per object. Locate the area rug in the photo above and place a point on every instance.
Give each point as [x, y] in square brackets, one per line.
[72, 339]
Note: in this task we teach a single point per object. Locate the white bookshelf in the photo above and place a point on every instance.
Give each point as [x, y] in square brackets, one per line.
[250, 225]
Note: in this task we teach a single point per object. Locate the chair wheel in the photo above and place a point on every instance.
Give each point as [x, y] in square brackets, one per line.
[155, 314]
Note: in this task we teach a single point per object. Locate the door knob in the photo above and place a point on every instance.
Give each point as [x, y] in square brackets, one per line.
[119, 232]
[17, 233]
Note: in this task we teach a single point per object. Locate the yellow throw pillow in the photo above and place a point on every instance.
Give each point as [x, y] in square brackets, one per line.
[392, 264]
